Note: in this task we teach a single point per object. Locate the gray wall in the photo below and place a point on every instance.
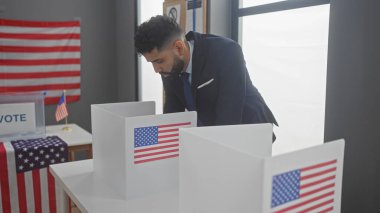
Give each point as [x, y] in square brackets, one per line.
[107, 57]
[353, 99]
[125, 50]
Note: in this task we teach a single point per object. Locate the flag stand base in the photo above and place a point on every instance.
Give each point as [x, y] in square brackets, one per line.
[67, 129]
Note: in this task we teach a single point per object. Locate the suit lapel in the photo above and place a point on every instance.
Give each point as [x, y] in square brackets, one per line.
[196, 63]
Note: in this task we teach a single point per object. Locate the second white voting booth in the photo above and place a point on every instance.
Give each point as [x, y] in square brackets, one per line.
[230, 169]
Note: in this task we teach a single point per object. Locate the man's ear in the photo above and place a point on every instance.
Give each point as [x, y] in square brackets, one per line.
[179, 46]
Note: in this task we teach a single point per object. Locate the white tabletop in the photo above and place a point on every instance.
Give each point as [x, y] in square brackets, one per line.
[77, 135]
[92, 195]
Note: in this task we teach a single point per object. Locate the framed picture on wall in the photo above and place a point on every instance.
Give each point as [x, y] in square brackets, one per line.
[191, 15]
[177, 10]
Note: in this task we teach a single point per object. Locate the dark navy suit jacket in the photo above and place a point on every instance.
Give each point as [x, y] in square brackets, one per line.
[221, 87]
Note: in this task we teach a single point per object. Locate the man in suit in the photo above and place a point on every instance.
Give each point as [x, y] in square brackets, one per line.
[201, 72]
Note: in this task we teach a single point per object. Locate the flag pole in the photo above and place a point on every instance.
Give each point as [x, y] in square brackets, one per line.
[66, 128]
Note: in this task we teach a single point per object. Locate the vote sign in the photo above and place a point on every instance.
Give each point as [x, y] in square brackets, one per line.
[17, 118]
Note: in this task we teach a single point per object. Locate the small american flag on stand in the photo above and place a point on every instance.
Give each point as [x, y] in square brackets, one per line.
[154, 143]
[25, 180]
[61, 111]
[309, 189]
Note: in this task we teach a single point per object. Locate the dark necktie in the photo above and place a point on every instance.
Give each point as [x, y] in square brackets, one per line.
[188, 95]
[187, 91]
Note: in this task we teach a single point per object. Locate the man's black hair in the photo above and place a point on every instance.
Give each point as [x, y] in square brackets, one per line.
[156, 33]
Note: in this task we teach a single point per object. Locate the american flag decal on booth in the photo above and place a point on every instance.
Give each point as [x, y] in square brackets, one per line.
[309, 189]
[40, 56]
[25, 180]
[154, 143]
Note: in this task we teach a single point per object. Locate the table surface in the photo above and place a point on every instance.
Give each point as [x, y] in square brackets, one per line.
[77, 135]
[91, 194]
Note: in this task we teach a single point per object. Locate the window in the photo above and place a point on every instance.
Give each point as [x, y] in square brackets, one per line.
[285, 48]
[251, 3]
[151, 84]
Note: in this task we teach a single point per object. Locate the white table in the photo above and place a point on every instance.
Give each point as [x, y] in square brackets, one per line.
[92, 195]
[78, 139]
[79, 143]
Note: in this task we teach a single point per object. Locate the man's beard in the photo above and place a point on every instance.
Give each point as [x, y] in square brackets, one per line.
[177, 68]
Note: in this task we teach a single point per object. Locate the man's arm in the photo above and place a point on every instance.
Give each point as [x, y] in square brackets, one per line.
[232, 90]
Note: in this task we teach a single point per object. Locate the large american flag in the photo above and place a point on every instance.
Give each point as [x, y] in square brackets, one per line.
[25, 180]
[157, 142]
[40, 56]
[309, 189]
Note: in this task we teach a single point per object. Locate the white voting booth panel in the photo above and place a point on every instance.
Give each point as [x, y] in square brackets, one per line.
[219, 168]
[121, 158]
[230, 169]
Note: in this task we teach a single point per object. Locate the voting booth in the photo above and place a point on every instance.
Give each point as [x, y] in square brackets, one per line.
[230, 169]
[145, 163]
[135, 151]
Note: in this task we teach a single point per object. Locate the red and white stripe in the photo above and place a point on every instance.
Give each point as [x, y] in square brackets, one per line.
[32, 191]
[40, 56]
[317, 190]
[61, 112]
[167, 147]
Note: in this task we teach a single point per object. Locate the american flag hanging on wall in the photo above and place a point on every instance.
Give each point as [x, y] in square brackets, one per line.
[40, 56]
